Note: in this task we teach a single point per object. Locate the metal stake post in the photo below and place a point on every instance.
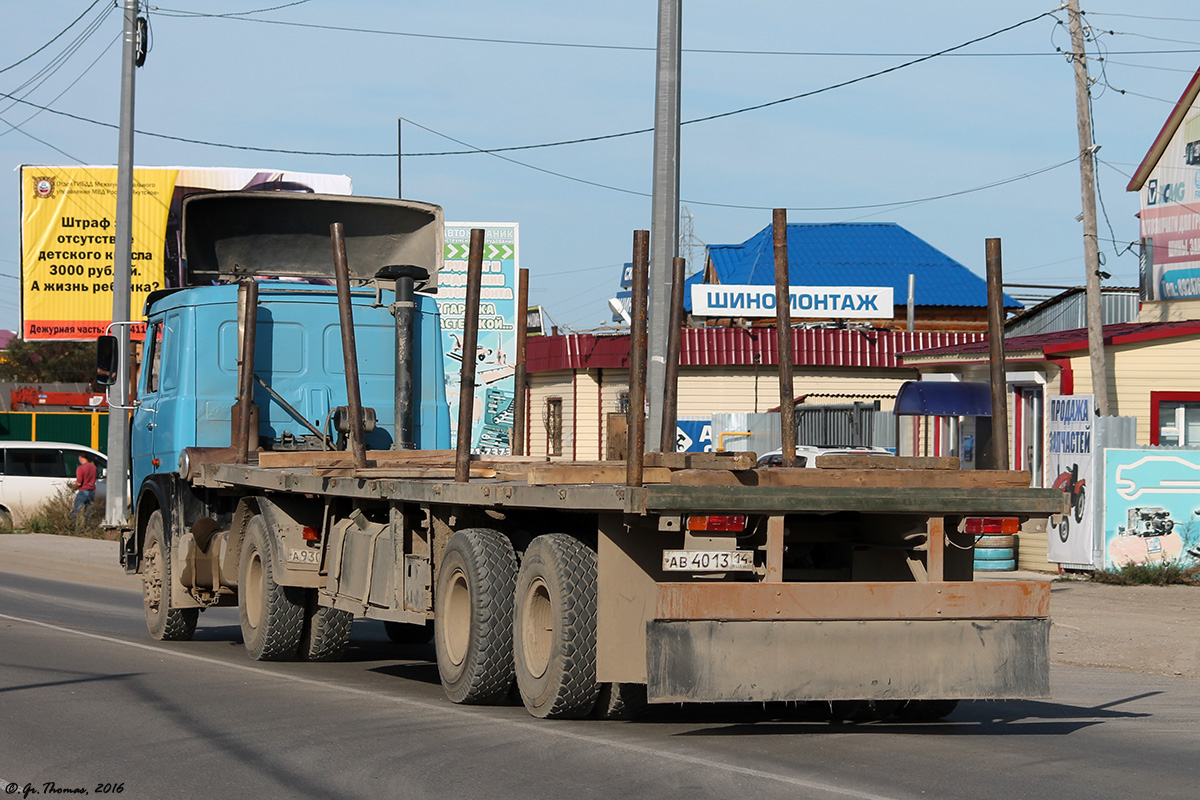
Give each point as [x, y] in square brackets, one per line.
[783, 335]
[470, 344]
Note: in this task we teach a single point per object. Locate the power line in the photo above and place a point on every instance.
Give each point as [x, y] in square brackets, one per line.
[1138, 16]
[71, 85]
[243, 17]
[560, 143]
[56, 37]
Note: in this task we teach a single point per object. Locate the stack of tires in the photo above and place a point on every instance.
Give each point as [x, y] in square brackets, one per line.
[995, 553]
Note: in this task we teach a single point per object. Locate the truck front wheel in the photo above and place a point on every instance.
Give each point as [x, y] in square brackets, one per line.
[272, 616]
[473, 613]
[165, 623]
[554, 636]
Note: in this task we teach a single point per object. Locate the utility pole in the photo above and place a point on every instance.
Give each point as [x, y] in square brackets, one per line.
[664, 221]
[116, 509]
[1087, 181]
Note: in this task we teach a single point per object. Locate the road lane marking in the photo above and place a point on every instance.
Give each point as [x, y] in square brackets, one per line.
[449, 709]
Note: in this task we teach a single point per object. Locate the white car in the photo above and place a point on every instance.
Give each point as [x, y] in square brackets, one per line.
[806, 454]
[33, 472]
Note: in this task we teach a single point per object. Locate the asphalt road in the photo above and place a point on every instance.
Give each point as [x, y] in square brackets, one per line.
[88, 701]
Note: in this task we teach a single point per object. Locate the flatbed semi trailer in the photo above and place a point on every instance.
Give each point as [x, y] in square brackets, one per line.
[707, 580]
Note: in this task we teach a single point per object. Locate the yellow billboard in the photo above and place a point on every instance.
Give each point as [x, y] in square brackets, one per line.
[67, 237]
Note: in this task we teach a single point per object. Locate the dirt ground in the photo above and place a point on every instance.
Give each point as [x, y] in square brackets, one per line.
[1147, 629]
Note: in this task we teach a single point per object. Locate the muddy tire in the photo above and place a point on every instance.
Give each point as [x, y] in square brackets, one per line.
[554, 634]
[165, 623]
[272, 616]
[473, 614]
[926, 710]
[620, 701]
[326, 630]
[407, 632]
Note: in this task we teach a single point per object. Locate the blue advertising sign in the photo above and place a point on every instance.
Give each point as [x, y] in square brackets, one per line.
[494, 353]
[694, 435]
[1151, 506]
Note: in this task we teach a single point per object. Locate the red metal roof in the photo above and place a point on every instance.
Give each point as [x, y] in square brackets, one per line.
[820, 347]
[1059, 342]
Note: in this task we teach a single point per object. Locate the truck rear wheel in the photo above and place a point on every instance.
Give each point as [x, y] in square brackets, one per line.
[326, 630]
[554, 635]
[272, 616]
[165, 623]
[473, 614]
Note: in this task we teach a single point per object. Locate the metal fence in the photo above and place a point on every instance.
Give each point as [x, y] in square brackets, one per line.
[88, 428]
[849, 425]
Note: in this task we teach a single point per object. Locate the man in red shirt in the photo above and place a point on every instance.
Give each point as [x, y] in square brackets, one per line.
[85, 483]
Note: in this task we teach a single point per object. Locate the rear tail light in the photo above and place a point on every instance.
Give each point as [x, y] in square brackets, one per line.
[980, 526]
[310, 534]
[713, 522]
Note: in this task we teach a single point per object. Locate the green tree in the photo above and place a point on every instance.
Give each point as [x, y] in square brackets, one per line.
[48, 362]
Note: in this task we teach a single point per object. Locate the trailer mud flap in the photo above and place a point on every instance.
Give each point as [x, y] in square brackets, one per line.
[707, 661]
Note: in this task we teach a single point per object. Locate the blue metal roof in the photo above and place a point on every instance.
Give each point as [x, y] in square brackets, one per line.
[853, 254]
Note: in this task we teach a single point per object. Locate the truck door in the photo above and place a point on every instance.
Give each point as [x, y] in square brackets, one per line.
[146, 416]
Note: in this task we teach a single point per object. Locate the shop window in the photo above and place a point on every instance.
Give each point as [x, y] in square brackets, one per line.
[1175, 418]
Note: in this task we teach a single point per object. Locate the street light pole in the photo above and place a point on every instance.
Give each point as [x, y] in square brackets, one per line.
[116, 507]
[664, 221]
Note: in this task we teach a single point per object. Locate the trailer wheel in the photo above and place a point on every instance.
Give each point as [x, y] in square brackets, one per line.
[926, 710]
[165, 623]
[326, 630]
[554, 635]
[408, 632]
[473, 612]
[272, 616]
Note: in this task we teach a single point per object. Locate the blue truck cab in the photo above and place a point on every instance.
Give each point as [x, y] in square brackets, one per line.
[189, 377]
[277, 249]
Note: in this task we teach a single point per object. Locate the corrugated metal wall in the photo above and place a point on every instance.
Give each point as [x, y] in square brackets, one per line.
[1070, 314]
[73, 427]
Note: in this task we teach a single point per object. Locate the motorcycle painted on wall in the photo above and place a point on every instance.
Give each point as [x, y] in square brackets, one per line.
[1075, 487]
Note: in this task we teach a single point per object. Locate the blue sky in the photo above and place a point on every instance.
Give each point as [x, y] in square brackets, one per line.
[1004, 109]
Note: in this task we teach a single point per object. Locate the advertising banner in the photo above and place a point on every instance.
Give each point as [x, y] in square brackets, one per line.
[495, 351]
[1151, 506]
[1170, 217]
[838, 302]
[67, 237]
[1070, 446]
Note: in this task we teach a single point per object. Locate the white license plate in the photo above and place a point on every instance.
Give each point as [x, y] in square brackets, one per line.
[708, 560]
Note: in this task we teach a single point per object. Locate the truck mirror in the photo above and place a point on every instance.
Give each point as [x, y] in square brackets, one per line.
[106, 360]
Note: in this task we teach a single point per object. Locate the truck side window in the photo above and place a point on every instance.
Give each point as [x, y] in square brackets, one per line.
[154, 335]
